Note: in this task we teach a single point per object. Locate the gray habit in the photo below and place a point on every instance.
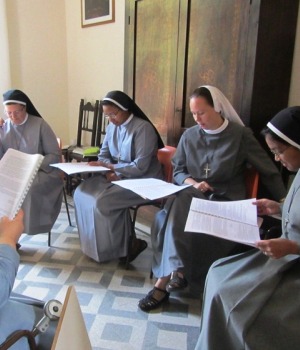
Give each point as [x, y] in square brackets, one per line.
[227, 153]
[43, 201]
[252, 301]
[102, 208]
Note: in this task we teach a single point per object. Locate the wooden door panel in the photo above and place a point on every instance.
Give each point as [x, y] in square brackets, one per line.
[155, 66]
[216, 49]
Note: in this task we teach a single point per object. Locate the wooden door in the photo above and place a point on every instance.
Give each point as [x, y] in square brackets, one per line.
[244, 47]
[157, 68]
[216, 49]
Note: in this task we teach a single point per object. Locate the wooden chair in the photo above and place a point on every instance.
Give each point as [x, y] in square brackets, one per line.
[251, 181]
[164, 156]
[87, 127]
[101, 126]
[64, 193]
[87, 136]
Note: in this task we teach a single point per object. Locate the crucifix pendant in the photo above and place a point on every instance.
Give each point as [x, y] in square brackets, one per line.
[206, 170]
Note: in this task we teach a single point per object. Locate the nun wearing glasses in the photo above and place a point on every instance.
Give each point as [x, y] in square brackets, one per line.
[251, 300]
[129, 150]
[25, 130]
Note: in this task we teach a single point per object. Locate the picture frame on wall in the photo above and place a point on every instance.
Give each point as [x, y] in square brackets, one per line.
[95, 12]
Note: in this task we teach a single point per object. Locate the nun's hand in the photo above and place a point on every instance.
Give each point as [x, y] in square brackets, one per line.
[267, 207]
[112, 176]
[203, 186]
[278, 247]
[2, 122]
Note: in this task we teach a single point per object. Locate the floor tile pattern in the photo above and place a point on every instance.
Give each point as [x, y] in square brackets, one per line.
[108, 294]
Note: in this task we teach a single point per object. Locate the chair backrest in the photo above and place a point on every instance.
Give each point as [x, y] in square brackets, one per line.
[251, 181]
[101, 126]
[87, 123]
[164, 156]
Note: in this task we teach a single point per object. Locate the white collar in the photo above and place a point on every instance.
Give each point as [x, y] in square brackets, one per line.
[220, 129]
[24, 121]
[128, 120]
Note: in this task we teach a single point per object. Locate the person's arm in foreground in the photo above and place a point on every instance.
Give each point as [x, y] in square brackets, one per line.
[10, 232]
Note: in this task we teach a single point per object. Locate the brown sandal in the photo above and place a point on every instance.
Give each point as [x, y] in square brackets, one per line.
[150, 303]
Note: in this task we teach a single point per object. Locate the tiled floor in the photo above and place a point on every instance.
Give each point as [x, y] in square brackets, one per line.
[108, 294]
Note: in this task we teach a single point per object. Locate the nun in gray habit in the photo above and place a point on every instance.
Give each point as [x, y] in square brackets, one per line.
[26, 131]
[252, 300]
[129, 150]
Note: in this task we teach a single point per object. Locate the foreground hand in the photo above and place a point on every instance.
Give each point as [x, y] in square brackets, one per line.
[278, 247]
[11, 230]
[267, 207]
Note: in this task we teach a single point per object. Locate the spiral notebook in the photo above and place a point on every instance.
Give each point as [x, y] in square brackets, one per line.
[17, 171]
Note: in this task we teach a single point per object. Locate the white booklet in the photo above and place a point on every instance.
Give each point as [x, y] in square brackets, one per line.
[150, 188]
[81, 167]
[17, 171]
[234, 220]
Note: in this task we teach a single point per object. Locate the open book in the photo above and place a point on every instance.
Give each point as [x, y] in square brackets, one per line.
[236, 221]
[76, 168]
[17, 171]
[150, 188]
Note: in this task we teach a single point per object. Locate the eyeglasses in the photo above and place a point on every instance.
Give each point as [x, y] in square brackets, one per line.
[15, 113]
[112, 115]
[279, 153]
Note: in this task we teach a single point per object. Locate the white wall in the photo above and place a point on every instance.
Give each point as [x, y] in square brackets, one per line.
[95, 58]
[37, 42]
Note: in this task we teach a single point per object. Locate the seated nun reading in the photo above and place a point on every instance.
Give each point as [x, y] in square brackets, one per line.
[252, 300]
[26, 131]
[211, 156]
[129, 150]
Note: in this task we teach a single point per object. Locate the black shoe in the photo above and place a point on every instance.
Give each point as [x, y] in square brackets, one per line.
[150, 302]
[176, 282]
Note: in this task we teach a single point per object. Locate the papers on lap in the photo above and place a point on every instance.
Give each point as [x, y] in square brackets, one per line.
[82, 167]
[236, 221]
[17, 171]
[150, 188]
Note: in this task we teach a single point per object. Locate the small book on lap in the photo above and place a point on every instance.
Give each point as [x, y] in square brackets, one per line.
[17, 171]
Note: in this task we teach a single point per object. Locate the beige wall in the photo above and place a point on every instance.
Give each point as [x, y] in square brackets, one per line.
[4, 51]
[56, 62]
[95, 58]
[37, 47]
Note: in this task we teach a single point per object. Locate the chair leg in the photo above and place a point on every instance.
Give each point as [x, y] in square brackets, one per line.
[67, 206]
[132, 237]
[49, 239]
